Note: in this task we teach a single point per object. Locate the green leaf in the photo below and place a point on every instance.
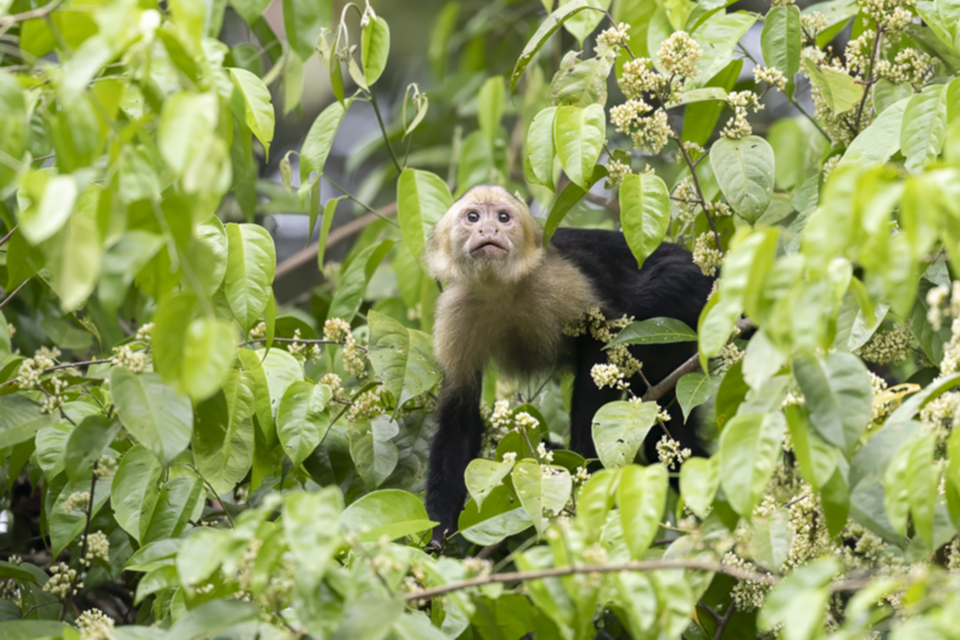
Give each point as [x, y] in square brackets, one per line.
[251, 264]
[490, 106]
[745, 171]
[544, 31]
[619, 428]
[877, 143]
[45, 204]
[952, 477]
[700, 118]
[500, 517]
[540, 147]
[693, 389]
[311, 524]
[799, 603]
[749, 448]
[922, 478]
[817, 459]
[542, 489]
[187, 122]
[644, 213]
[210, 619]
[578, 136]
[781, 41]
[303, 20]
[20, 419]
[207, 254]
[641, 496]
[839, 90]
[31, 629]
[422, 199]
[374, 47]
[302, 419]
[655, 331]
[259, 109]
[389, 512]
[402, 357]
[699, 481]
[329, 210]
[250, 10]
[483, 476]
[582, 83]
[86, 444]
[583, 24]
[353, 281]
[567, 199]
[839, 396]
[273, 373]
[373, 450]
[438, 51]
[718, 37]
[209, 350]
[13, 122]
[177, 503]
[65, 526]
[152, 412]
[771, 541]
[316, 147]
[924, 127]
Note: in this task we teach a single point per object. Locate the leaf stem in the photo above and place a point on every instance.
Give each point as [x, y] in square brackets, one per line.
[13, 293]
[383, 129]
[696, 184]
[878, 36]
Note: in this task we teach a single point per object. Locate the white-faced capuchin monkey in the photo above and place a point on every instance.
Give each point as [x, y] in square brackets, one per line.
[509, 299]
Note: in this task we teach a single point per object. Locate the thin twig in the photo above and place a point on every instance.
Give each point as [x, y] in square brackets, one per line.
[39, 12]
[363, 204]
[722, 623]
[383, 129]
[13, 293]
[556, 572]
[7, 237]
[86, 536]
[873, 64]
[696, 184]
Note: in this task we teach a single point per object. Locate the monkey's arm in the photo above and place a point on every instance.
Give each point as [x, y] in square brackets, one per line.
[457, 442]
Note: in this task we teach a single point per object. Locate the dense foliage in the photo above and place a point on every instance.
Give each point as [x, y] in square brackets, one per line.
[183, 457]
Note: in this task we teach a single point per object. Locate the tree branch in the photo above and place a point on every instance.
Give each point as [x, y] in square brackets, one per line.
[39, 12]
[555, 572]
[7, 237]
[696, 184]
[869, 83]
[13, 293]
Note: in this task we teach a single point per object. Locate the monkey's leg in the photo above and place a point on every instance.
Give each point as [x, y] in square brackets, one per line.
[457, 442]
[587, 398]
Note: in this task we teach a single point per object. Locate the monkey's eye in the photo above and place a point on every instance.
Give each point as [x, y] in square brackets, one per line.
[503, 217]
[473, 216]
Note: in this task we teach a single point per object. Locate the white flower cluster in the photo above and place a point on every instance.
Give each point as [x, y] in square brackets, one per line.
[888, 347]
[259, 331]
[615, 36]
[951, 351]
[649, 133]
[354, 358]
[543, 453]
[145, 332]
[781, 3]
[771, 75]
[477, 567]
[55, 399]
[742, 102]
[333, 381]
[937, 303]
[369, 405]
[747, 595]
[525, 422]
[616, 172]
[95, 625]
[670, 453]
[61, 581]
[595, 554]
[32, 368]
[106, 467]
[939, 415]
[830, 165]
[679, 54]
[686, 200]
[76, 501]
[638, 78]
[706, 255]
[812, 24]
[297, 348]
[336, 330]
[730, 355]
[98, 548]
[510, 457]
[582, 475]
[910, 65]
[502, 418]
[892, 15]
[135, 361]
[608, 375]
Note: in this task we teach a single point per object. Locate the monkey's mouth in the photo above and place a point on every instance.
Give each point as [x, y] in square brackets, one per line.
[489, 249]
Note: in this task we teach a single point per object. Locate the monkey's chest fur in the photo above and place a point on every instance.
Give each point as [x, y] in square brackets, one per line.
[520, 325]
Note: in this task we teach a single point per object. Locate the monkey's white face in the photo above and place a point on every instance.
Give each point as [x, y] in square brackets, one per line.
[488, 231]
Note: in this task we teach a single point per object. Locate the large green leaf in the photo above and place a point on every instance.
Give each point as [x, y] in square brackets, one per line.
[302, 419]
[655, 331]
[402, 357]
[839, 90]
[551, 24]
[422, 199]
[45, 204]
[187, 123]
[490, 106]
[73, 254]
[259, 109]
[303, 21]
[251, 264]
[877, 143]
[316, 146]
[20, 419]
[641, 496]
[817, 459]
[699, 481]
[745, 171]
[374, 47]
[924, 127]
[373, 451]
[839, 396]
[568, 198]
[749, 447]
[644, 213]
[389, 512]
[579, 135]
[311, 524]
[619, 429]
[483, 476]
[353, 282]
[86, 444]
[541, 149]
[718, 37]
[781, 41]
[799, 603]
[693, 389]
[152, 411]
[178, 501]
[500, 517]
[543, 490]
[13, 123]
